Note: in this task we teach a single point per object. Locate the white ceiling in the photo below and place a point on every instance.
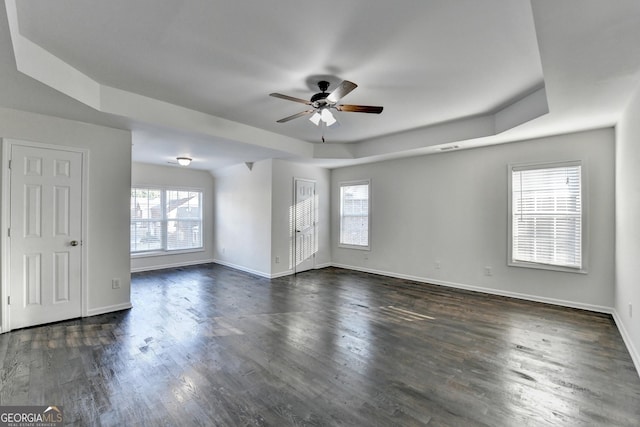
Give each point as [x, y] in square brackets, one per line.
[193, 77]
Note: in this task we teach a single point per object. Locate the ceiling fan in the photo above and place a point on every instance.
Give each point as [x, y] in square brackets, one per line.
[322, 103]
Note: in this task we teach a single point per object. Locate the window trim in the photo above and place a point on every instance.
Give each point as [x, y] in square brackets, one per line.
[347, 245]
[164, 251]
[584, 220]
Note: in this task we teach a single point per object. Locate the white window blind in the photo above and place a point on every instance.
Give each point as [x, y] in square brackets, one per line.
[354, 214]
[165, 220]
[146, 220]
[547, 215]
[184, 219]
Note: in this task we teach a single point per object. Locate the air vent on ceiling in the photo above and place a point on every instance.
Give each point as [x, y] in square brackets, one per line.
[449, 148]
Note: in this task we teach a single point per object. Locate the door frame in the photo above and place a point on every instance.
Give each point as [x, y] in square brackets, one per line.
[5, 257]
[294, 224]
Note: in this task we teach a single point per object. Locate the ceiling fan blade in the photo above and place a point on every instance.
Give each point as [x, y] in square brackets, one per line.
[359, 108]
[342, 90]
[295, 116]
[290, 98]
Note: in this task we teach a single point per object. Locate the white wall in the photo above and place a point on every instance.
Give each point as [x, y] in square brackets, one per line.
[109, 159]
[181, 178]
[284, 173]
[242, 217]
[252, 215]
[452, 208]
[628, 227]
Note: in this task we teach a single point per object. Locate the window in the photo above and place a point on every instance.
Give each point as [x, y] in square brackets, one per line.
[165, 220]
[546, 216]
[354, 214]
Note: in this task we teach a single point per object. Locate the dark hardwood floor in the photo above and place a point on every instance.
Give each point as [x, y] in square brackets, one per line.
[209, 345]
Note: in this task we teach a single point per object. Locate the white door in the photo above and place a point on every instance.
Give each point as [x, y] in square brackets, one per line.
[305, 224]
[44, 235]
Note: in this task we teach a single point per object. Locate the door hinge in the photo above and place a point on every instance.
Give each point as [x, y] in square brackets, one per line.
[9, 163]
[8, 232]
[9, 300]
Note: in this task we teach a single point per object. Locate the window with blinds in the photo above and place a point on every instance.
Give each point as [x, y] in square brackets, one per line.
[547, 216]
[354, 214]
[164, 220]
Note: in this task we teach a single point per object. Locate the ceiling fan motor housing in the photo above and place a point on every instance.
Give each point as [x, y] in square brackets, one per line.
[319, 96]
[323, 86]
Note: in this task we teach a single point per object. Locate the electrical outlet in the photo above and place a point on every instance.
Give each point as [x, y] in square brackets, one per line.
[438, 265]
[487, 271]
[277, 260]
[224, 250]
[115, 283]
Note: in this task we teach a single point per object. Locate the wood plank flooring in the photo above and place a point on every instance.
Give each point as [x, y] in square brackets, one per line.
[208, 345]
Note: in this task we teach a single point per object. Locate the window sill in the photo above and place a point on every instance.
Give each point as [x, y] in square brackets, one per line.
[359, 248]
[548, 267]
[165, 253]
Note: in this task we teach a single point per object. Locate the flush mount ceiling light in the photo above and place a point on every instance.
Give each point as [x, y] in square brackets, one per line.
[184, 161]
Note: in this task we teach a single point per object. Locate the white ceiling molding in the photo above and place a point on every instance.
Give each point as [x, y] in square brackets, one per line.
[521, 111]
[527, 108]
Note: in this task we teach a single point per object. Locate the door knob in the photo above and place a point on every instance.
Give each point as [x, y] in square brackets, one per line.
[74, 243]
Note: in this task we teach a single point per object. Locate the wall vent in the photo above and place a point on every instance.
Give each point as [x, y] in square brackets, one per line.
[449, 148]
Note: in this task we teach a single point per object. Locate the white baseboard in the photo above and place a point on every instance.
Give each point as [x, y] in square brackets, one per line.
[290, 272]
[225, 263]
[108, 309]
[172, 265]
[281, 274]
[263, 274]
[324, 265]
[241, 268]
[635, 355]
[492, 291]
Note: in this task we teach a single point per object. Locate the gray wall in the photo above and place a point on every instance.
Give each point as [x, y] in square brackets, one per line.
[180, 178]
[628, 227]
[451, 209]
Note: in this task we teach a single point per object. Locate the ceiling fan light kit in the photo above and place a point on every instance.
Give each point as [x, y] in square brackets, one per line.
[315, 118]
[322, 103]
